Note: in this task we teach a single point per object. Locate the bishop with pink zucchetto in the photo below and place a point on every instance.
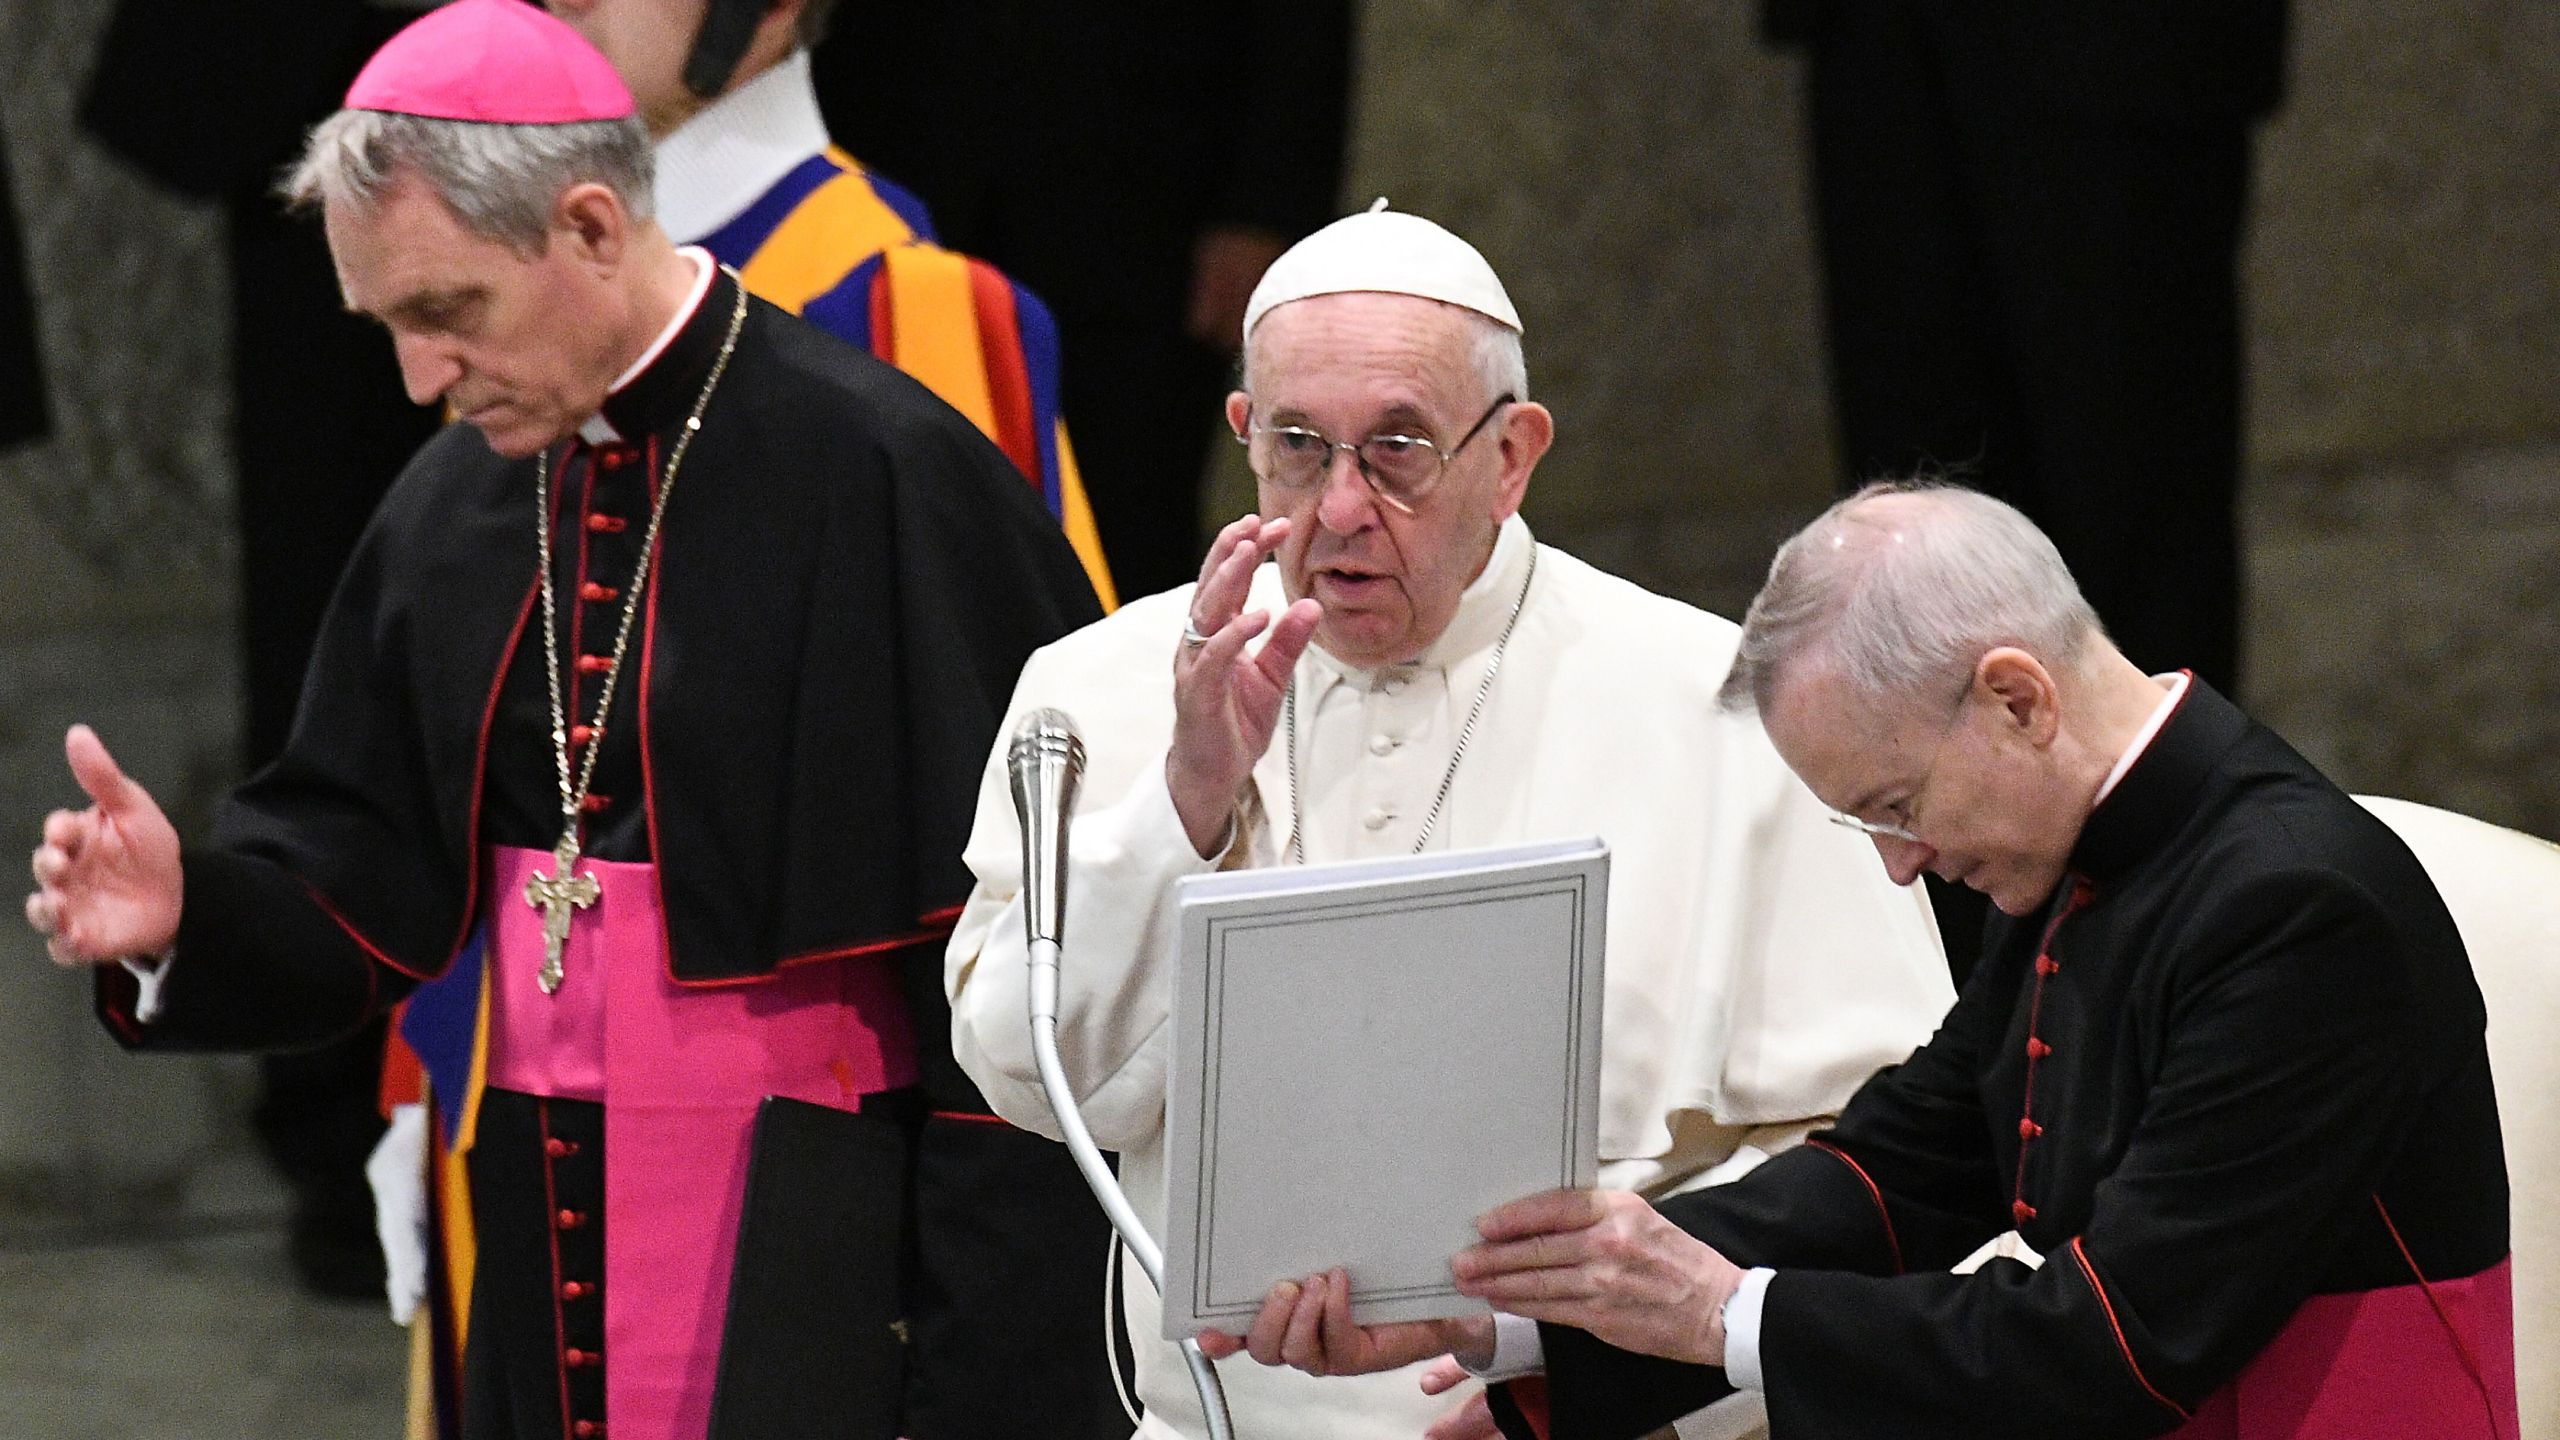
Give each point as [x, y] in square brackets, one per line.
[636, 756]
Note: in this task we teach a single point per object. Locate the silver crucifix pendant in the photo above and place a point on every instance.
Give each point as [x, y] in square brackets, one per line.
[553, 895]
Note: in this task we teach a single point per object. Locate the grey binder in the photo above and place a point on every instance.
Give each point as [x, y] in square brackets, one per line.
[1365, 1057]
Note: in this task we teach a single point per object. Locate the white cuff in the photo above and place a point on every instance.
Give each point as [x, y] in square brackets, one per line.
[149, 971]
[1517, 1351]
[1742, 1328]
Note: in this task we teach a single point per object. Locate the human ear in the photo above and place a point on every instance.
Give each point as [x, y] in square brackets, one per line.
[2017, 682]
[1528, 428]
[591, 218]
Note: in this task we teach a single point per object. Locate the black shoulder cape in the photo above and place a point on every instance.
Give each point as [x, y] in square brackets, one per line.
[848, 579]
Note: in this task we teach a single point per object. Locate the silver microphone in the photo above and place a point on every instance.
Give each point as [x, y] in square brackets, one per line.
[1047, 759]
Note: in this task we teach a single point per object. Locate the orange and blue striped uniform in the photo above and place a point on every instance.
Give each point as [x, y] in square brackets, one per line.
[854, 255]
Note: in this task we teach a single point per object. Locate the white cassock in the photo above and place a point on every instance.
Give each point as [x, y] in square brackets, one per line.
[1761, 963]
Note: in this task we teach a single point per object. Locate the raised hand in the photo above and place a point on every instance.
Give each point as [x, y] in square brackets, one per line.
[107, 879]
[1226, 703]
[1606, 1262]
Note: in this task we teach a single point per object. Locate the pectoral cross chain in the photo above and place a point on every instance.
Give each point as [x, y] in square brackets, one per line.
[554, 895]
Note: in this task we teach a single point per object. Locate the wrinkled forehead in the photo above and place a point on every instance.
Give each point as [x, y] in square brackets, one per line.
[1363, 351]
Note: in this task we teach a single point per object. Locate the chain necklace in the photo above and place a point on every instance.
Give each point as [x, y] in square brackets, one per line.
[557, 893]
[1297, 812]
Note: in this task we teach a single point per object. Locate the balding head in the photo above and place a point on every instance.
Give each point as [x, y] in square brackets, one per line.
[1895, 592]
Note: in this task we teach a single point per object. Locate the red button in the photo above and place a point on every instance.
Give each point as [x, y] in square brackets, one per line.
[604, 524]
[612, 459]
[2028, 1129]
[595, 594]
[577, 1359]
[2037, 1049]
[570, 1219]
[575, 1289]
[594, 803]
[581, 734]
[2022, 1212]
[556, 1147]
[595, 664]
[586, 1430]
[2047, 965]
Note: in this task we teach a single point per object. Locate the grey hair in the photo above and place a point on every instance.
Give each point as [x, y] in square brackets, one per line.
[1899, 589]
[499, 180]
[1499, 359]
[1493, 349]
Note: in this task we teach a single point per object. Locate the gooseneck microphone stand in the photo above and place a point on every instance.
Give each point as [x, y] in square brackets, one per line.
[1047, 760]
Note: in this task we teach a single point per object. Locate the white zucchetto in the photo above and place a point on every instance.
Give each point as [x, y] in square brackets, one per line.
[1387, 251]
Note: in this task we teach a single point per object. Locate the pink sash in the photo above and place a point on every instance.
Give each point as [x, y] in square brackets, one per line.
[2380, 1365]
[680, 1070]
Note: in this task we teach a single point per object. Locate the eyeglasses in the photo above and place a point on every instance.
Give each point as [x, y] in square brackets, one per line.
[1872, 827]
[1402, 468]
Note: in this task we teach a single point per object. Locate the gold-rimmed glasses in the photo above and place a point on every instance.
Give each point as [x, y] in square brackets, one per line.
[1400, 466]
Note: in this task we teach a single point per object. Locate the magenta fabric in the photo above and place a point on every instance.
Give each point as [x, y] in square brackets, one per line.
[496, 61]
[2380, 1365]
[680, 1070]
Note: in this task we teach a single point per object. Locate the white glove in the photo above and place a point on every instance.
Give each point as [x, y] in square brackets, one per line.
[397, 1171]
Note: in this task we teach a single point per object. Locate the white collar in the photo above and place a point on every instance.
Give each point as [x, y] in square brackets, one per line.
[597, 430]
[2142, 738]
[738, 147]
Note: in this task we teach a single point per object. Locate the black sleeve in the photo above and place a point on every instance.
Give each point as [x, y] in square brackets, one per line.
[2287, 1076]
[265, 960]
[260, 965]
[349, 810]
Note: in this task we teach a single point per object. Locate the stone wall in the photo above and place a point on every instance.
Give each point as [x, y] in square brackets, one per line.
[1635, 171]
[115, 598]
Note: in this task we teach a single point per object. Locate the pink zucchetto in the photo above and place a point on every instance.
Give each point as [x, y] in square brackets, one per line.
[501, 62]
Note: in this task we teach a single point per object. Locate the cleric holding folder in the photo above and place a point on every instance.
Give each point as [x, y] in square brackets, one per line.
[648, 708]
[1416, 672]
[2222, 1065]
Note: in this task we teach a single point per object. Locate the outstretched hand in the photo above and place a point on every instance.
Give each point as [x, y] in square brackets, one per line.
[1226, 703]
[107, 879]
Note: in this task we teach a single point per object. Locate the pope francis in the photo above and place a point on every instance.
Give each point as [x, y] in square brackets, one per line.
[1417, 672]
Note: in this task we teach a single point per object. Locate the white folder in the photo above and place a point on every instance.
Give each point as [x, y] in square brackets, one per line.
[1365, 1057]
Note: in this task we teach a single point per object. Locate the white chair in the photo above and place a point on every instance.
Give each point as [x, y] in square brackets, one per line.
[2503, 888]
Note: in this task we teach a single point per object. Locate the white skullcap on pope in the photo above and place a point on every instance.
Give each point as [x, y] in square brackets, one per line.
[1387, 251]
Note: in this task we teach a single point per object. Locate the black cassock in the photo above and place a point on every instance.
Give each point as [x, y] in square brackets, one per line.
[2236, 1062]
[847, 581]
